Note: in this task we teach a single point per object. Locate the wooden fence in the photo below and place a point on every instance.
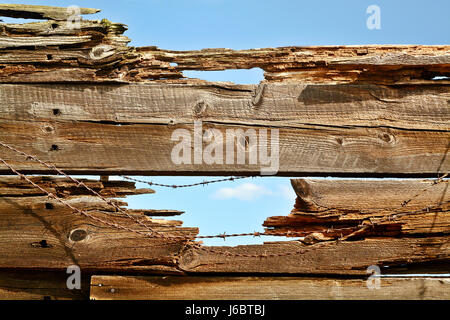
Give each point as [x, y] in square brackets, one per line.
[81, 101]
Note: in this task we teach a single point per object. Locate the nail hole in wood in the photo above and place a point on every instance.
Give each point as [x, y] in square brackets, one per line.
[56, 112]
[43, 244]
[54, 147]
[49, 205]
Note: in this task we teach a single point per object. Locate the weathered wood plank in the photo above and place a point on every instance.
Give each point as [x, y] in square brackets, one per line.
[40, 285]
[339, 130]
[53, 237]
[279, 105]
[27, 11]
[37, 232]
[328, 64]
[264, 288]
[346, 257]
[146, 149]
[8, 42]
[329, 209]
[64, 187]
[325, 64]
[320, 196]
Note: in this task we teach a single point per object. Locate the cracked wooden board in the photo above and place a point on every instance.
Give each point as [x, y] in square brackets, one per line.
[278, 105]
[105, 57]
[146, 149]
[40, 233]
[329, 209]
[345, 257]
[104, 287]
[365, 130]
[40, 12]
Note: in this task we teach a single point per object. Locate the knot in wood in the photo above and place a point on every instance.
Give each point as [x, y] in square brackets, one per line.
[78, 235]
[200, 107]
[101, 51]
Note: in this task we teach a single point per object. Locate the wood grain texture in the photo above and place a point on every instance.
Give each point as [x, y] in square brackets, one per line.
[63, 187]
[26, 11]
[340, 130]
[106, 57]
[346, 257]
[329, 209]
[320, 196]
[325, 64]
[263, 288]
[40, 285]
[40, 233]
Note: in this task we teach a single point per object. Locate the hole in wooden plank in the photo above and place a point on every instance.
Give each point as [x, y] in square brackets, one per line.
[54, 147]
[238, 76]
[49, 57]
[49, 205]
[56, 112]
[437, 78]
[239, 206]
[44, 244]
[41, 244]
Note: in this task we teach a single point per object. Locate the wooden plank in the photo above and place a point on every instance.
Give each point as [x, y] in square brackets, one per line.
[345, 257]
[53, 237]
[50, 28]
[324, 208]
[7, 42]
[40, 285]
[381, 64]
[309, 65]
[264, 288]
[40, 12]
[63, 187]
[280, 105]
[41, 233]
[320, 196]
[339, 130]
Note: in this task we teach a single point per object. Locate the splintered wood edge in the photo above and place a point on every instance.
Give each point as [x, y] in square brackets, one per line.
[26, 11]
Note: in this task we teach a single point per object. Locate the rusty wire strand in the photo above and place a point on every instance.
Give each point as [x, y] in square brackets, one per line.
[175, 186]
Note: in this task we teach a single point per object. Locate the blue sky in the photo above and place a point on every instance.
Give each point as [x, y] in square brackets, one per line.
[242, 206]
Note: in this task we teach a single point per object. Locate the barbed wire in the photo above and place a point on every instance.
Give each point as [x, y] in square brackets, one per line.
[175, 186]
[189, 240]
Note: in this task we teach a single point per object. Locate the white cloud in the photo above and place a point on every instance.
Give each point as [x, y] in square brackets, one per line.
[245, 191]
